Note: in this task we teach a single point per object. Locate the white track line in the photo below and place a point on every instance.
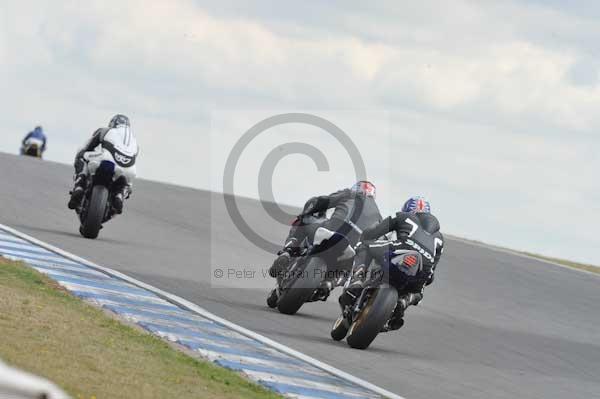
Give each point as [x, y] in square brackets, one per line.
[204, 313]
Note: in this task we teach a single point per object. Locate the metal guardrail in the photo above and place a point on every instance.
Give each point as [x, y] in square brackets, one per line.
[17, 384]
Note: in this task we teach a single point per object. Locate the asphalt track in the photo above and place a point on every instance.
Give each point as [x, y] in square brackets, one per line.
[493, 325]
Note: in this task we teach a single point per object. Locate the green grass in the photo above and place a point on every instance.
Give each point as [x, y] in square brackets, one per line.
[90, 354]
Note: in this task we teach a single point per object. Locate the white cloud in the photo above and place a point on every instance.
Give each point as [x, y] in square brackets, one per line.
[486, 97]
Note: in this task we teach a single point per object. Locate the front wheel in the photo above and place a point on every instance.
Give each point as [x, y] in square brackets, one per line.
[91, 225]
[272, 299]
[300, 291]
[373, 317]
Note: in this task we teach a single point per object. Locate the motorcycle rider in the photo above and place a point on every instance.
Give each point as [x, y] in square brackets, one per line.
[416, 229]
[119, 127]
[36, 133]
[355, 210]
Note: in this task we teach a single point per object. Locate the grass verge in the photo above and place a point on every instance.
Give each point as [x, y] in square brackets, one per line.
[48, 332]
[574, 265]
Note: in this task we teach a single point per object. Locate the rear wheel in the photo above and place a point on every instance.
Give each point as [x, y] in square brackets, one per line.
[373, 317]
[33, 152]
[91, 225]
[300, 291]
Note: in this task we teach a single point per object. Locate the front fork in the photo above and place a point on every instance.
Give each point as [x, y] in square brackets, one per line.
[281, 280]
[351, 312]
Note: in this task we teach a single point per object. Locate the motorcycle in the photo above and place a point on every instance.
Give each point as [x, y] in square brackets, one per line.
[311, 277]
[32, 147]
[106, 169]
[371, 313]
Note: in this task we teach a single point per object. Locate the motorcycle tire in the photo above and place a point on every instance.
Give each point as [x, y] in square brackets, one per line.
[300, 291]
[90, 228]
[372, 317]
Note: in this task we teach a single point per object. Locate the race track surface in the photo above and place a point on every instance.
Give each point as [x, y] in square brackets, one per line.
[493, 325]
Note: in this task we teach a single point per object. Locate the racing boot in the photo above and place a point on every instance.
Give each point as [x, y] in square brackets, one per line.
[77, 191]
[415, 298]
[324, 290]
[118, 203]
[397, 320]
[119, 199]
[395, 324]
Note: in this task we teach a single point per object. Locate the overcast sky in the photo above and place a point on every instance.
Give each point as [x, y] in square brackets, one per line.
[489, 108]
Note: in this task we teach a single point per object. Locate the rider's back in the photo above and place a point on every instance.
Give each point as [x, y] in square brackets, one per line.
[37, 134]
[122, 139]
[420, 231]
[355, 207]
[369, 214]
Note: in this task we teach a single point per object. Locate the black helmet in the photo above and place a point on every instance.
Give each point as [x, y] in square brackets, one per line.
[118, 120]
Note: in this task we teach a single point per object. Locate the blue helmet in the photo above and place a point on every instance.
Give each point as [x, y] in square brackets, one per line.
[417, 204]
